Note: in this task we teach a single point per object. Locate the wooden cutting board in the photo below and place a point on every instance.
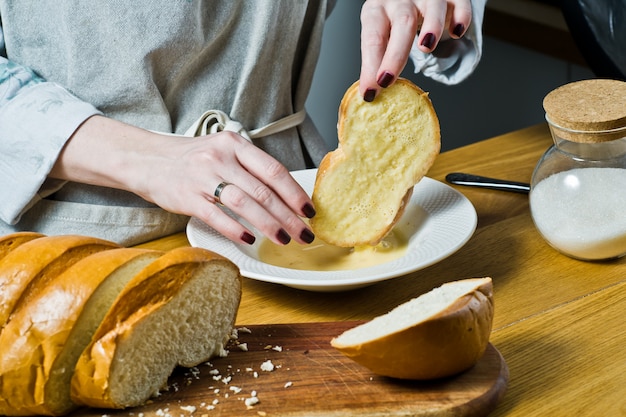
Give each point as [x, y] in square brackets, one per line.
[310, 378]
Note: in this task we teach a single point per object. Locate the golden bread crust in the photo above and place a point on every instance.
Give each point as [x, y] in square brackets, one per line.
[13, 240]
[148, 292]
[37, 335]
[447, 343]
[25, 270]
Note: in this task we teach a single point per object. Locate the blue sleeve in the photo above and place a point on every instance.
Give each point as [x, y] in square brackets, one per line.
[37, 119]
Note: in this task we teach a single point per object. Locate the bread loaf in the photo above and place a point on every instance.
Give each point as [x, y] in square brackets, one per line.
[179, 310]
[438, 334]
[91, 323]
[12, 241]
[385, 148]
[43, 341]
[25, 269]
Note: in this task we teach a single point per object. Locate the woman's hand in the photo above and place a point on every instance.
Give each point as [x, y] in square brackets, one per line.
[389, 29]
[181, 175]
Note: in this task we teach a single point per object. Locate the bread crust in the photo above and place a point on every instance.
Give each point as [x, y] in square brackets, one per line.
[25, 270]
[13, 240]
[148, 292]
[35, 338]
[449, 342]
[385, 148]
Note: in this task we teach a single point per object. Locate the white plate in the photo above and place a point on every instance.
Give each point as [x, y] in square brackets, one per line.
[438, 220]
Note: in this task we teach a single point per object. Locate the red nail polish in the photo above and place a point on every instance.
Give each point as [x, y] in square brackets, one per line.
[369, 95]
[283, 237]
[459, 30]
[308, 211]
[307, 236]
[428, 41]
[385, 79]
[247, 238]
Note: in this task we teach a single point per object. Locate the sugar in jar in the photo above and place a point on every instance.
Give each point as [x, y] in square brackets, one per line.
[578, 188]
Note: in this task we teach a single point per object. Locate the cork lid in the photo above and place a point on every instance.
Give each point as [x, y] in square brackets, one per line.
[589, 106]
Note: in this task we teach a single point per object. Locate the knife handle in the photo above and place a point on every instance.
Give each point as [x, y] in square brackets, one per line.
[460, 178]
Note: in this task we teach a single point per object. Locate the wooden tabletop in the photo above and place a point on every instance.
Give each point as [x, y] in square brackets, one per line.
[559, 322]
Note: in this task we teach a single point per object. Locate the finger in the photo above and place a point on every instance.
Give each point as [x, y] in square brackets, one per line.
[375, 32]
[266, 170]
[404, 23]
[222, 223]
[263, 212]
[434, 13]
[460, 19]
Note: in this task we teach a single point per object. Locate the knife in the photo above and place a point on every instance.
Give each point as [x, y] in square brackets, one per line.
[471, 180]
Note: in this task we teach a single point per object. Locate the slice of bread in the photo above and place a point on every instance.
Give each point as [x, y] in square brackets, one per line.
[438, 334]
[13, 240]
[385, 148]
[43, 341]
[26, 269]
[179, 310]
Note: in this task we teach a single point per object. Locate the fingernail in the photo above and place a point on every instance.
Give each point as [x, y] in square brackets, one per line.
[248, 238]
[428, 41]
[283, 237]
[385, 79]
[369, 95]
[459, 30]
[308, 210]
[307, 236]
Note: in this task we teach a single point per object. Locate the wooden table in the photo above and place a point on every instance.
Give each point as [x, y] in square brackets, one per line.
[559, 322]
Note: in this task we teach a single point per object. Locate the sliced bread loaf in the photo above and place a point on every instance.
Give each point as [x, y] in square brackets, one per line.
[43, 341]
[13, 240]
[179, 310]
[25, 270]
[438, 334]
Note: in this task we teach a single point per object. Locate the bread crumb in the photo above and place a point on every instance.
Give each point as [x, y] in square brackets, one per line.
[278, 348]
[244, 330]
[288, 384]
[251, 402]
[236, 390]
[267, 366]
[243, 347]
[188, 408]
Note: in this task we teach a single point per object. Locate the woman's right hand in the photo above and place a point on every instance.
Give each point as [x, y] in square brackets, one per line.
[181, 175]
[390, 27]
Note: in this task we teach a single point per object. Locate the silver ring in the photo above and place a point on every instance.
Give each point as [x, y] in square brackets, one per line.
[218, 192]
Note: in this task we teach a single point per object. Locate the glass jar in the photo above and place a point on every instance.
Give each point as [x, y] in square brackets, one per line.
[578, 188]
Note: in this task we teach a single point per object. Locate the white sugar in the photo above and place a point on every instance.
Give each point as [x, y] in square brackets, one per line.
[582, 212]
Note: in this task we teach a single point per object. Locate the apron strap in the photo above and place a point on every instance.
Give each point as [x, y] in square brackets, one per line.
[214, 121]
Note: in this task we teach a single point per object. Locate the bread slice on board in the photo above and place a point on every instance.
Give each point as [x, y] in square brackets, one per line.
[42, 342]
[385, 148]
[13, 240]
[438, 334]
[179, 310]
[25, 270]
